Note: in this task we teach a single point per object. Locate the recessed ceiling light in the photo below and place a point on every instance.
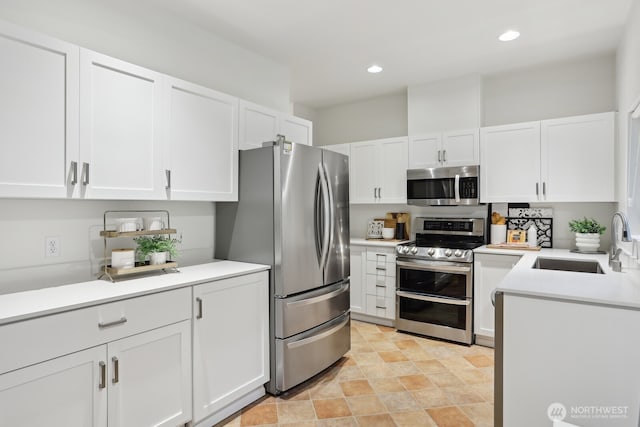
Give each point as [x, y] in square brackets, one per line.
[509, 35]
[374, 69]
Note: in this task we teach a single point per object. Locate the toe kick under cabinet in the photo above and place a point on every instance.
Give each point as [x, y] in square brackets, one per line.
[125, 363]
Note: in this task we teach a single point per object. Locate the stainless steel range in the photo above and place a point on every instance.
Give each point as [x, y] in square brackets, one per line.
[434, 278]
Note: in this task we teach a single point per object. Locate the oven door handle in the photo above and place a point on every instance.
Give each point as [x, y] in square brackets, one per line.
[411, 295]
[438, 268]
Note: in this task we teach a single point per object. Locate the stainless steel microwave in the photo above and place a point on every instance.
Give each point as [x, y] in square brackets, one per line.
[444, 186]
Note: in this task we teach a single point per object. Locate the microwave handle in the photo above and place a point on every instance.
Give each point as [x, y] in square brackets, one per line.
[457, 188]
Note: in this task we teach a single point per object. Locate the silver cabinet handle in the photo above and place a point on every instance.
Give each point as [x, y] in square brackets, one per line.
[167, 173]
[120, 321]
[439, 157]
[199, 302]
[381, 286]
[444, 155]
[380, 306]
[381, 268]
[116, 369]
[537, 189]
[103, 375]
[544, 189]
[493, 297]
[85, 173]
[379, 192]
[74, 173]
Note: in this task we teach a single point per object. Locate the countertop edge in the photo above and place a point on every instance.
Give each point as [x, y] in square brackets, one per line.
[21, 306]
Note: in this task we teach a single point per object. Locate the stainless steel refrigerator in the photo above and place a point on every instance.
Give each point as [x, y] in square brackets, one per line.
[293, 214]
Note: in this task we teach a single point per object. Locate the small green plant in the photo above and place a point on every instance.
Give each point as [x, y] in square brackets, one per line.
[586, 226]
[156, 243]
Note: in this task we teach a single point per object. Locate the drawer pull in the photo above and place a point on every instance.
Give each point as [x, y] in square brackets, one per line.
[116, 366]
[381, 286]
[381, 268]
[103, 375]
[199, 301]
[114, 323]
[380, 306]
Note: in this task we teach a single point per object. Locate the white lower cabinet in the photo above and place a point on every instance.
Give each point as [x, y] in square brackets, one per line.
[488, 271]
[230, 345]
[125, 363]
[61, 392]
[373, 284]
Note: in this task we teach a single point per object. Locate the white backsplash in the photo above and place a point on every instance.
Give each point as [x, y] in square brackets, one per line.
[77, 224]
[562, 214]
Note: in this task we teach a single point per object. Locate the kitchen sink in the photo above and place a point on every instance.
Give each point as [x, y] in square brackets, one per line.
[576, 265]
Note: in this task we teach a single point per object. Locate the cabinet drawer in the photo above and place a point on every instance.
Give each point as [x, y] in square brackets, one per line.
[43, 338]
[381, 255]
[381, 286]
[381, 269]
[381, 306]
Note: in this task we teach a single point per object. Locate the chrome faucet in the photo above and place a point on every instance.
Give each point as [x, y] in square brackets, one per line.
[614, 256]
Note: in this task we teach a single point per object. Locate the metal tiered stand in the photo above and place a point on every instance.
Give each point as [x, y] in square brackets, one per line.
[140, 266]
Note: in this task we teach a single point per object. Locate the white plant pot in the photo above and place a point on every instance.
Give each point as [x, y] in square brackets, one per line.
[587, 242]
[158, 258]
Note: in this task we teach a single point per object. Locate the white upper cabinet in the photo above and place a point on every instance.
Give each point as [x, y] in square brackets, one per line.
[455, 148]
[561, 160]
[339, 148]
[202, 143]
[260, 124]
[257, 125]
[578, 158]
[510, 163]
[379, 171]
[38, 114]
[296, 129]
[120, 129]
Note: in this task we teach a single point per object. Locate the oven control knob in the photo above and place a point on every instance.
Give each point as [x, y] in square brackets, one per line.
[458, 253]
[414, 250]
[431, 251]
[399, 249]
[448, 252]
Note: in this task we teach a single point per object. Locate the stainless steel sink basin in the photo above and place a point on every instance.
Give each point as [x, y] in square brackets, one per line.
[576, 265]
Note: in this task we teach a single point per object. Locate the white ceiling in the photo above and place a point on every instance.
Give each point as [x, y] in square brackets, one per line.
[328, 44]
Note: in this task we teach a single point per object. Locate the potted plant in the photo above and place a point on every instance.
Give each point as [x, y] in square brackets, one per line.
[588, 233]
[156, 248]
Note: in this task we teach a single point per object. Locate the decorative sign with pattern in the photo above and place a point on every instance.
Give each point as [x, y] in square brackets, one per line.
[543, 225]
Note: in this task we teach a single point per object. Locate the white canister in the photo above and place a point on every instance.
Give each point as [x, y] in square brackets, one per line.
[498, 233]
[153, 223]
[532, 236]
[124, 225]
[123, 258]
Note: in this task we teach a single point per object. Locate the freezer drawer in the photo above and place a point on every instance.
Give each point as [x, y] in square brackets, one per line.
[305, 311]
[303, 356]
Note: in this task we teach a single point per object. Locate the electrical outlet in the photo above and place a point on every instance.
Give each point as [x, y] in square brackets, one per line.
[52, 246]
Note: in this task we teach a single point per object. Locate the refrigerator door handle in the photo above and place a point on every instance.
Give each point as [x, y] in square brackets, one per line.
[331, 223]
[325, 215]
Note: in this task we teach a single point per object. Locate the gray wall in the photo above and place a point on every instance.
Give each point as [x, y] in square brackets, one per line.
[380, 117]
[571, 88]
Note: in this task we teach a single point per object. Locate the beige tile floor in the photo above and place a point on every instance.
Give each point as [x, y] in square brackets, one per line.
[387, 379]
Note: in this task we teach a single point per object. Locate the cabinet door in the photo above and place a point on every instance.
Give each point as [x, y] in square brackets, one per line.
[425, 151]
[363, 173]
[358, 276]
[257, 125]
[489, 270]
[510, 163]
[38, 114]
[202, 153]
[150, 377]
[66, 391]
[230, 341]
[392, 163]
[461, 148]
[578, 158]
[120, 129]
[296, 129]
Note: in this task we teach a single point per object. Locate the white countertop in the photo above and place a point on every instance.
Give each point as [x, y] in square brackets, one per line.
[620, 289]
[357, 241]
[24, 305]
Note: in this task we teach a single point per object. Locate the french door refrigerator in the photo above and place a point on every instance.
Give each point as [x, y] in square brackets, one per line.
[293, 214]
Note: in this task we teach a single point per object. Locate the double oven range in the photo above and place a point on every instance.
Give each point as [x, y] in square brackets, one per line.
[434, 278]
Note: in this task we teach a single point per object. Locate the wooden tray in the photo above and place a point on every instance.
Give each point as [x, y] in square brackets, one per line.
[139, 268]
[518, 247]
